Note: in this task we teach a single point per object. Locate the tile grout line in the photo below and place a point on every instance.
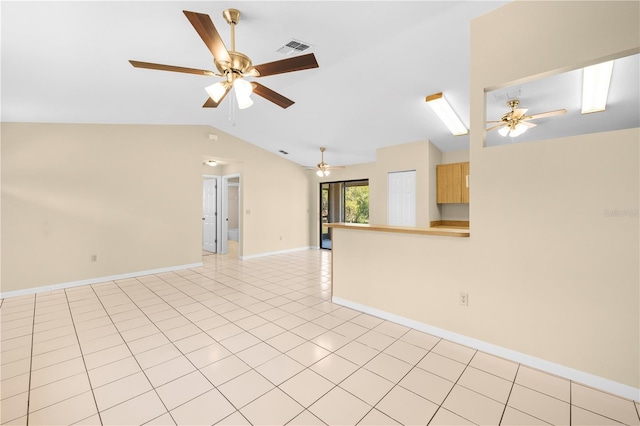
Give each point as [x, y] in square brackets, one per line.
[86, 370]
[513, 384]
[454, 386]
[33, 326]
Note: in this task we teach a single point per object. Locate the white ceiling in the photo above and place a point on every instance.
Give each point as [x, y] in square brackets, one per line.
[67, 62]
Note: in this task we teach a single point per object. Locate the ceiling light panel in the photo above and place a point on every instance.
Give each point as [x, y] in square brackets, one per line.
[446, 114]
[595, 87]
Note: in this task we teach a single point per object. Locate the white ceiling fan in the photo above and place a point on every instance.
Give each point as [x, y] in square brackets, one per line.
[322, 168]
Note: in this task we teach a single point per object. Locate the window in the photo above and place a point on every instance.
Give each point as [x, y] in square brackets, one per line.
[345, 201]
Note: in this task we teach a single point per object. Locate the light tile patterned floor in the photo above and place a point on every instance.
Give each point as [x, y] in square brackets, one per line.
[258, 342]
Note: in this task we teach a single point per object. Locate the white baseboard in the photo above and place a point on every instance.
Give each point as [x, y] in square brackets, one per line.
[588, 379]
[60, 286]
[271, 253]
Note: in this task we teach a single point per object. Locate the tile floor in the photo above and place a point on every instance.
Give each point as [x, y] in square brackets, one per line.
[258, 342]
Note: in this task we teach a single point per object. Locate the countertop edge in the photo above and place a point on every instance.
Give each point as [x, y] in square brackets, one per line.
[444, 232]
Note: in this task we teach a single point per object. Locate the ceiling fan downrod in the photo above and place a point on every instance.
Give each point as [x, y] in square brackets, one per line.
[232, 16]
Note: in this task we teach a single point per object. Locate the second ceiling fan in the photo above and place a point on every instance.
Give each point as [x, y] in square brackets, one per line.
[234, 66]
[322, 168]
[515, 122]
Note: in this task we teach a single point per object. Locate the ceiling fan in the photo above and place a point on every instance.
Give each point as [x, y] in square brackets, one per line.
[322, 168]
[515, 122]
[234, 66]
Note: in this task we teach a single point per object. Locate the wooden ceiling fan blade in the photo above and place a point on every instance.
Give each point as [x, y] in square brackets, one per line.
[203, 25]
[297, 63]
[270, 95]
[334, 167]
[210, 103]
[161, 67]
[495, 127]
[545, 114]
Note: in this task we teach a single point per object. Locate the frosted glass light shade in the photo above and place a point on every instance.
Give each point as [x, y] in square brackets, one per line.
[216, 91]
[243, 92]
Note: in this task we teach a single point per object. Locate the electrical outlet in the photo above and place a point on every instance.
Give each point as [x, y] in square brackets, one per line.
[94, 257]
[464, 298]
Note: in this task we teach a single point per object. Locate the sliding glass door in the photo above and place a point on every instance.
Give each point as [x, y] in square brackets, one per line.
[344, 201]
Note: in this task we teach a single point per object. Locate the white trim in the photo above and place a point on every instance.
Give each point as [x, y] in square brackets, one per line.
[34, 290]
[271, 253]
[588, 379]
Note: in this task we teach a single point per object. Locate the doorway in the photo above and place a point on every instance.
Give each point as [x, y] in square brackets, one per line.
[231, 215]
[343, 201]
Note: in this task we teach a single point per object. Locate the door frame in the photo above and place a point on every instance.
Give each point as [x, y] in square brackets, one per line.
[218, 179]
[223, 218]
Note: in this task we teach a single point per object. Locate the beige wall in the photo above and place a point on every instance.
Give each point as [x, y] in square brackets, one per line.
[539, 208]
[459, 156]
[399, 158]
[549, 273]
[435, 158]
[131, 194]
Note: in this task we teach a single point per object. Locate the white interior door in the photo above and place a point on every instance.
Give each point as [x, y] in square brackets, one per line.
[209, 215]
[402, 198]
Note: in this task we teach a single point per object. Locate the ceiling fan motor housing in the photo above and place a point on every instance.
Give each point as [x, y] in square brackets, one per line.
[240, 64]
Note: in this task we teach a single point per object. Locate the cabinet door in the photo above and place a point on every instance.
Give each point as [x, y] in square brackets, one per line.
[452, 183]
[465, 182]
[449, 183]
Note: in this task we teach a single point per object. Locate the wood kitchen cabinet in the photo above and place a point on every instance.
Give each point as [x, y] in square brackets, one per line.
[452, 183]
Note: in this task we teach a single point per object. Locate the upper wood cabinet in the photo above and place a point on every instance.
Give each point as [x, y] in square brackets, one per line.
[452, 183]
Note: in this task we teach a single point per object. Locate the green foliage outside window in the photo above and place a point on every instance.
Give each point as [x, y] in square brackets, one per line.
[356, 204]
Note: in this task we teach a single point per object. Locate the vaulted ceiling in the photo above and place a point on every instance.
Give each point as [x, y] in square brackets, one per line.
[67, 62]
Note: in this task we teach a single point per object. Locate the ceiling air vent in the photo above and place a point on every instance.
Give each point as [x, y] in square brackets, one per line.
[282, 151]
[294, 47]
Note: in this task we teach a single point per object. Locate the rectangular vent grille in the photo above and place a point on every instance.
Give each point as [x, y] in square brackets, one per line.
[293, 47]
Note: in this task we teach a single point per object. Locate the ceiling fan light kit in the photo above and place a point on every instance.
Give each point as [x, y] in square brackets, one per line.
[446, 114]
[234, 66]
[595, 87]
